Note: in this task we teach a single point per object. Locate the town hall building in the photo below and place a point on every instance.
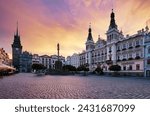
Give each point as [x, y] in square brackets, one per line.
[130, 52]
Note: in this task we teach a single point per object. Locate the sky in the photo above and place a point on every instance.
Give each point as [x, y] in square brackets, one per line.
[44, 23]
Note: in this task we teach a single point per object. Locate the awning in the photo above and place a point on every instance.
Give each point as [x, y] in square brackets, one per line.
[6, 67]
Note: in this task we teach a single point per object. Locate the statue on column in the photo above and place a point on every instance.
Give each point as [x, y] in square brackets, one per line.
[58, 63]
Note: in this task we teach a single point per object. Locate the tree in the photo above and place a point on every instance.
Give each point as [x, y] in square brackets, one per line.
[99, 70]
[69, 68]
[115, 68]
[38, 67]
[83, 68]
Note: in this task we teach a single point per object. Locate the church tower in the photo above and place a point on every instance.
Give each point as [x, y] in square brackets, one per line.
[112, 38]
[16, 50]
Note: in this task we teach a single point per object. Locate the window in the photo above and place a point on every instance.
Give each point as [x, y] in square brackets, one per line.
[124, 46]
[130, 45]
[137, 43]
[130, 55]
[109, 57]
[118, 48]
[111, 36]
[141, 42]
[109, 49]
[148, 50]
[124, 67]
[124, 56]
[137, 66]
[137, 54]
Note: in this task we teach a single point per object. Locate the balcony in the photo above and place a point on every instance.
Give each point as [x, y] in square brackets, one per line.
[118, 50]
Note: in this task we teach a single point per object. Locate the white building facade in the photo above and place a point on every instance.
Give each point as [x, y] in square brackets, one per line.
[73, 60]
[128, 52]
[47, 61]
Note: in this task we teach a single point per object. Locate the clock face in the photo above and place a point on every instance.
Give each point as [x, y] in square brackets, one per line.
[17, 49]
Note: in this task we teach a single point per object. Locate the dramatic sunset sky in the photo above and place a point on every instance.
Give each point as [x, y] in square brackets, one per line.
[44, 23]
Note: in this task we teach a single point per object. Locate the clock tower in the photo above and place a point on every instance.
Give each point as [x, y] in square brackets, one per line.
[16, 50]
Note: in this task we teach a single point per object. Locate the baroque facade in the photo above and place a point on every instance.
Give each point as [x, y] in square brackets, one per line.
[126, 51]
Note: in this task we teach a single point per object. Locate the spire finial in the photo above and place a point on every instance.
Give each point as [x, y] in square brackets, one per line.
[17, 29]
[90, 25]
[99, 37]
[90, 30]
[90, 33]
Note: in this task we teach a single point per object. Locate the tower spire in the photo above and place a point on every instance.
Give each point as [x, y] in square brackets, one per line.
[90, 34]
[112, 21]
[17, 33]
[90, 30]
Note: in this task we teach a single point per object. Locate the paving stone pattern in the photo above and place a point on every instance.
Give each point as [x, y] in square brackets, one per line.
[30, 86]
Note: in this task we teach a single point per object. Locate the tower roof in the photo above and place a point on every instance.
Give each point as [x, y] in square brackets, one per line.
[17, 42]
[112, 21]
[90, 34]
[17, 30]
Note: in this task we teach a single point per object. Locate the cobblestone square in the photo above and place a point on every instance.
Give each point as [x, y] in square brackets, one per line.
[30, 86]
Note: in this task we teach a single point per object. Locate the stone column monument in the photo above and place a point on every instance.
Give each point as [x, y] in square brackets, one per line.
[58, 63]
